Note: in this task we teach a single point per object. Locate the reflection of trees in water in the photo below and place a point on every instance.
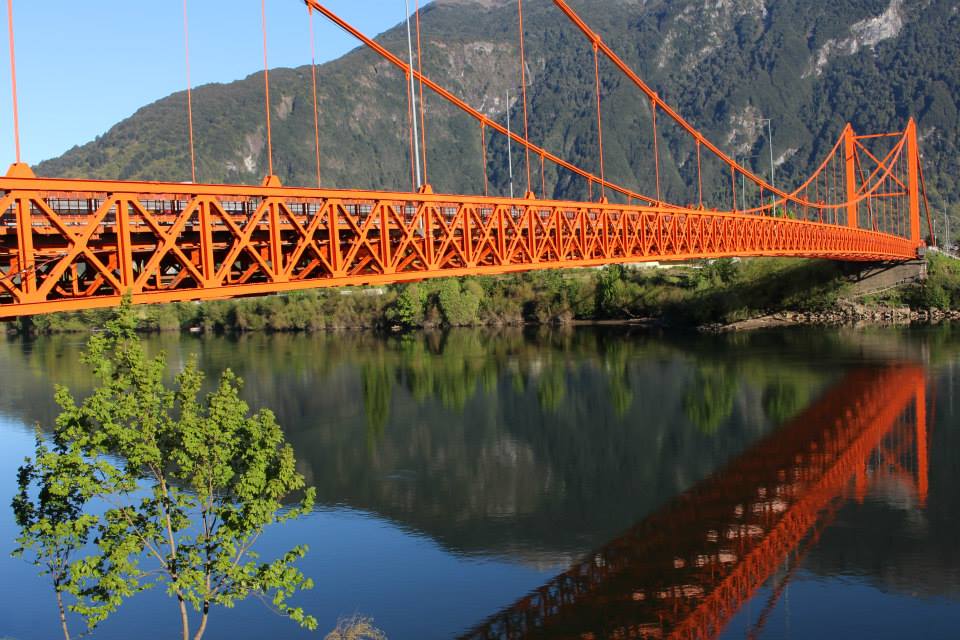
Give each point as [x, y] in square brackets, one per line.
[377, 391]
[449, 370]
[487, 440]
[708, 400]
[710, 396]
[616, 357]
[552, 388]
[784, 398]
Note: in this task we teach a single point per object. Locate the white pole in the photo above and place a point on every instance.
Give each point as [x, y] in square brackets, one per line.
[773, 170]
[413, 100]
[509, 145]
[946, 230]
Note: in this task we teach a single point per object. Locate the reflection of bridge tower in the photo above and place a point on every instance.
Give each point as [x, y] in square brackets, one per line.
[685, 570]
[902, 455]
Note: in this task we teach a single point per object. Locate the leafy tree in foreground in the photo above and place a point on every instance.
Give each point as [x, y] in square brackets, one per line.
[53, 489]
[187, 485]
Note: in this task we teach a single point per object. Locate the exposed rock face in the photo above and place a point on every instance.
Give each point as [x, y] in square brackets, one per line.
[710, 21]
[863, 34]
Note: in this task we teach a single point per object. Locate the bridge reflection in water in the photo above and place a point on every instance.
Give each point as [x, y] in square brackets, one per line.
[685, 571]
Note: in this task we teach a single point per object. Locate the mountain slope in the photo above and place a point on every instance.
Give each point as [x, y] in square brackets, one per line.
[721, 63]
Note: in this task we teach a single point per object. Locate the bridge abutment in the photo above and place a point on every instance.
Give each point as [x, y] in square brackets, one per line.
[878, 276]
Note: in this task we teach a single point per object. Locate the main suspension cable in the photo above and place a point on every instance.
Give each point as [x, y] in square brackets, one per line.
[656, 150]
[594, 37]
[186, 46]
[266, 84]
[13, 81]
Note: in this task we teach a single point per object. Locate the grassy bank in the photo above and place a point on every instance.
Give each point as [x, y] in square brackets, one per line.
[687, 295]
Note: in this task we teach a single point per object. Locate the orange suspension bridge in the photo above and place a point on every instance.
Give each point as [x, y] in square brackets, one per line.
[79, 244]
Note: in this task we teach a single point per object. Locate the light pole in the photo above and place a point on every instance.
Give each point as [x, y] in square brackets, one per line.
[946, 230]
[773, 170]
[509, 145]
[413, 100]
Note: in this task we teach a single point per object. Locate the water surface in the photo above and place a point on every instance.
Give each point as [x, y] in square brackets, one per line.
[564, 483]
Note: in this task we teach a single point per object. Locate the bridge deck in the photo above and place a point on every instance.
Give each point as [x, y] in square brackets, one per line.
[67, 245]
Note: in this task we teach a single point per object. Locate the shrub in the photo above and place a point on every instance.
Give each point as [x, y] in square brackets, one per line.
[459, 307]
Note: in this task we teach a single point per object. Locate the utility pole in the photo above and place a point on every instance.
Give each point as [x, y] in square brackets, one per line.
[773, 169]
[413, 99]
[946, 230]
[509, 145]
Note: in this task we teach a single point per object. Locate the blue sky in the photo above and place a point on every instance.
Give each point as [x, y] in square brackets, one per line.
[82, 66]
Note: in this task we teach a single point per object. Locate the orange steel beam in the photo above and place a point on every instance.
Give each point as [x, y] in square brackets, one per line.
[850, 173]
[74, 244]
[685, 571]
[913, 164]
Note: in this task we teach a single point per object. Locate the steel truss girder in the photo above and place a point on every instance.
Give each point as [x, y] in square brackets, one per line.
[71, 244]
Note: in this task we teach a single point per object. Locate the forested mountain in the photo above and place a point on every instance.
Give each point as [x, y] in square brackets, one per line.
[723, 64]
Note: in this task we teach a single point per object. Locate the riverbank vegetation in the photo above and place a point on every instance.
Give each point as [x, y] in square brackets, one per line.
[684, 295]
[688, 295]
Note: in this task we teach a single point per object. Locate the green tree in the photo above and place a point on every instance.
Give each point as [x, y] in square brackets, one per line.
[459, 306]
[190, 483]
[611, 291]
[53, 490]
[407, 309]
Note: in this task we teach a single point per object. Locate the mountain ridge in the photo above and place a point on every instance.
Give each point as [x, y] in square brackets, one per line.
[723, 64]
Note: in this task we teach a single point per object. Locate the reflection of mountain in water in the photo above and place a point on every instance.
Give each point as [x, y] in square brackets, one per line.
[489, 444]
[519, 444]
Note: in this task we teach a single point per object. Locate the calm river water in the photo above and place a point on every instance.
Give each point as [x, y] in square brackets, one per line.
[586, 483]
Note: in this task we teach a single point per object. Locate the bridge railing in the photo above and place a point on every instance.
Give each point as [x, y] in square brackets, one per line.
[83, 244]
